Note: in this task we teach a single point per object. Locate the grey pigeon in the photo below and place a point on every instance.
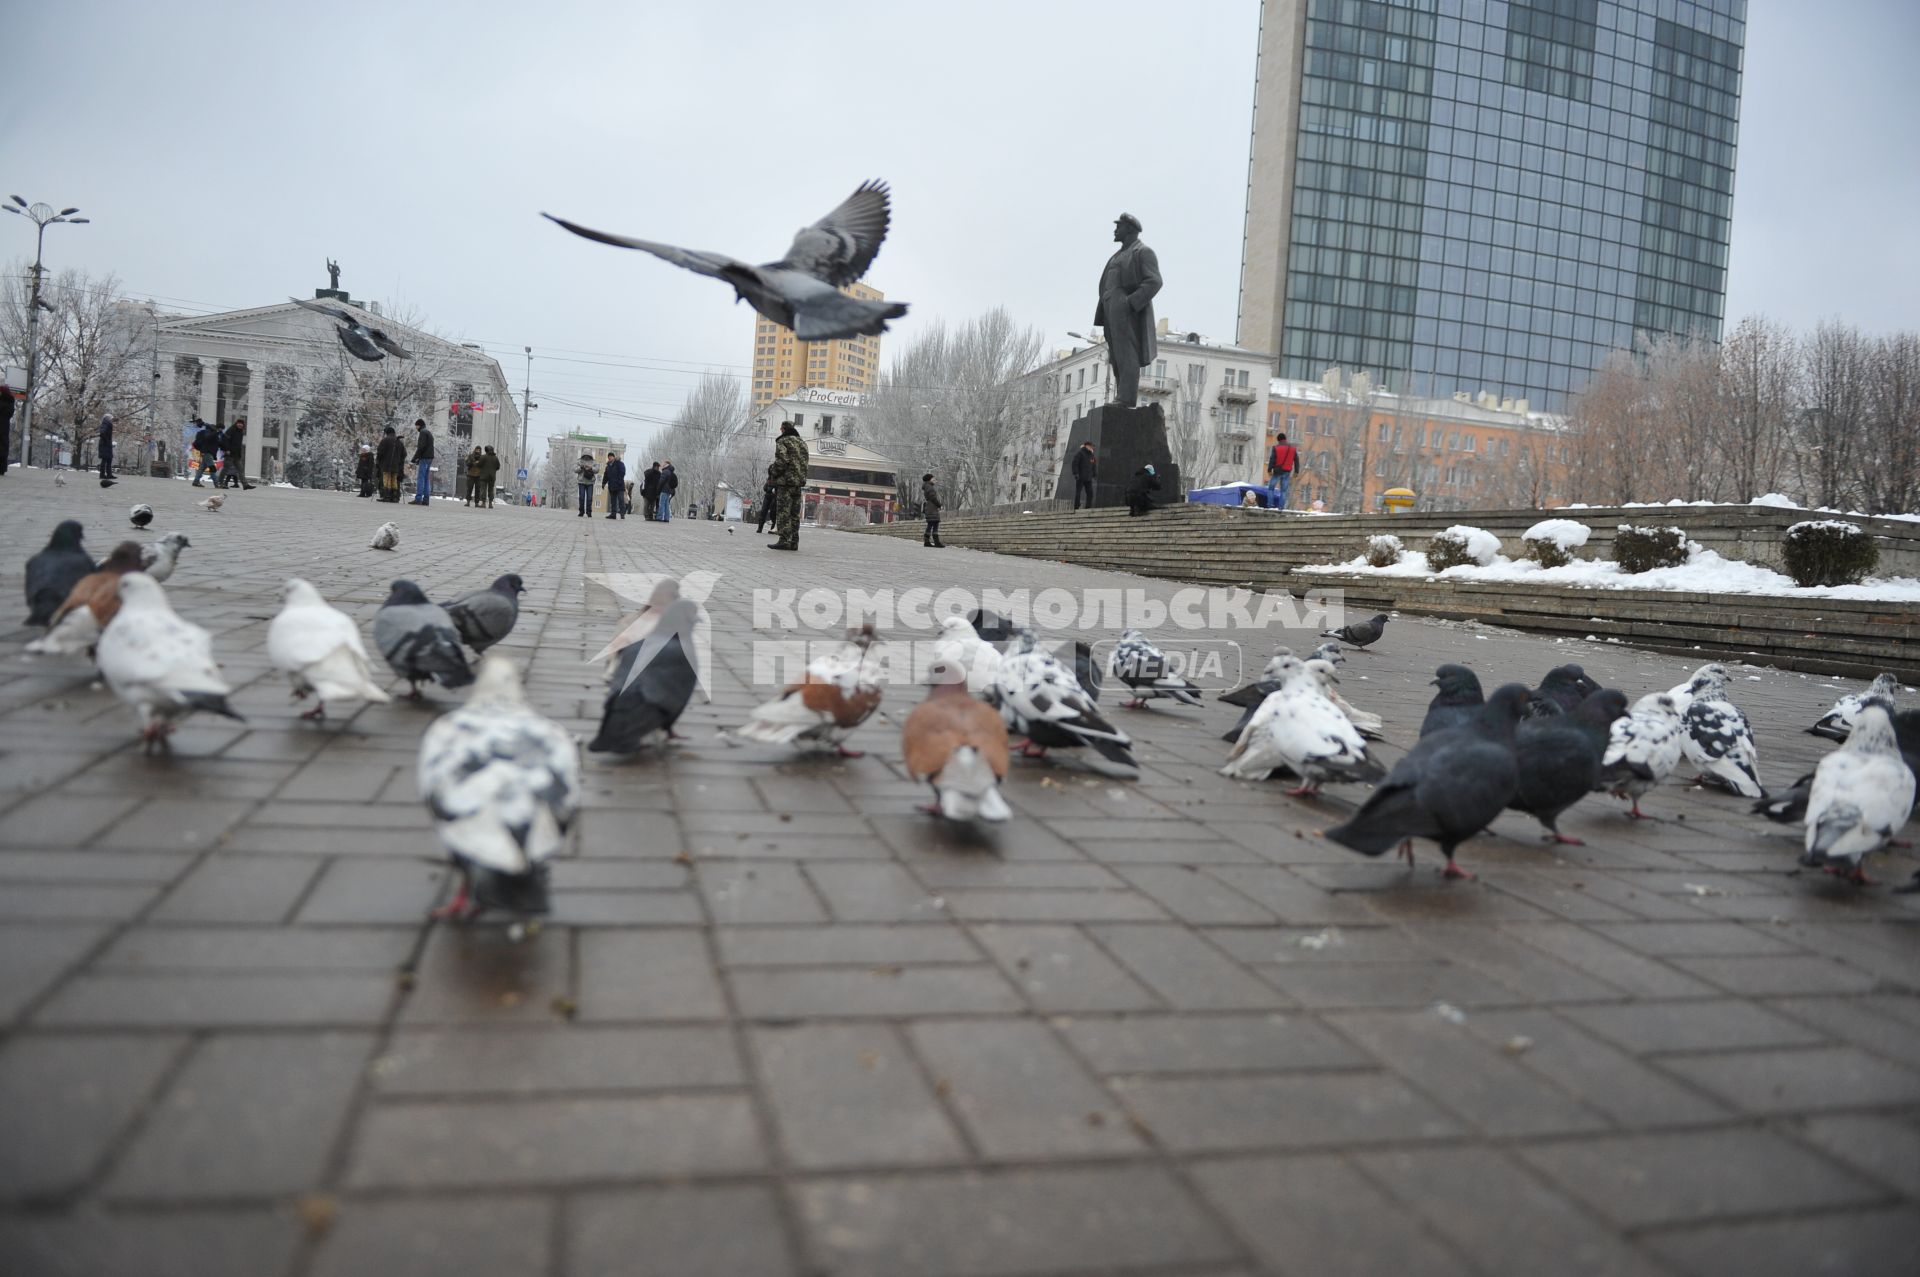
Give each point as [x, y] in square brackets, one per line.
[419, 640]
[484, 617]
[1330, 653]
[1559, 758]
[1144, 668]
[1360, 633]
[1838, 721]
[52, 573]
[1448, 787]
[141, 515]
[1564, 687]
[1862, 794]
[1457, 702]
[362, 340]
[652, 683]
[158, 560]
[801, 291]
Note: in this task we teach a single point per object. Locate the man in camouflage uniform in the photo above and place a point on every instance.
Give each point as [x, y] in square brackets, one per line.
[787, 477]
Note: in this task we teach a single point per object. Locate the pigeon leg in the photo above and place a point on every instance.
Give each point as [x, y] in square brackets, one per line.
[844, 752]
[1018, 742]
[299, 693]
[1559, 839]
[1138, 702]
[1635, 813]
[1902, 843]
[454, 908]
[673, 735]
[1308, 790]
[1030, 750]
[1406, 852]
[319, 710]
[1455, 871]
[930, 809]
[1858, 877]
[413, 690]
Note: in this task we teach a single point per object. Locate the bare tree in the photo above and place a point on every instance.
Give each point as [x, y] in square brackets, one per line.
[94, 358]
[1834, 403]
[1193, 436]
[1752, 437]
[711, 441]
[1888, 458]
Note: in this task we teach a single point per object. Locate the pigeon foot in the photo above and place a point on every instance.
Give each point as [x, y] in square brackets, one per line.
[1858, 877]
[844, 752]
[1304, 791]
[1406, 852]
[316, 713]
[455, 908]
[1559, 839]
[1455, 871]
[1138, 702]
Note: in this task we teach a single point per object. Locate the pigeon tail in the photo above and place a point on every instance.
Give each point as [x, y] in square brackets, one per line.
[968, 789]
[1788, 807]
[521, 893]
[1380, 823]
[211, 703]
[833, 315]
[1112, 758]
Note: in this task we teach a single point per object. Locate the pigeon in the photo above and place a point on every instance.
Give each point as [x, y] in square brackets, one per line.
[158, 663]
[158, 560]
[961, 647]
[93, 602]
[59, 481]
[1697, 682]
[990, 625]
[1564, 687]
[652, 681]
[503, 784]
[801, 291]
[1330, 653]
[52, 573]
[1298, 728]
[1458, 701]
[419, 640]
[1042, 702]
[1789, 806]
[1559, 758]
[839, 692]
[1368, 724]
[318, 648]
[362, 340]
[1838, 721]
[387, 537]
[213, 503]
[1862, 793]
[1086, 670]
[1720, 742]
[638, 626]
[1360, 633]
[484, 617]
[141, 515]
[1252, 696]
[1143, 667]
[1448, 787]
[1642, 749]
[958, 745]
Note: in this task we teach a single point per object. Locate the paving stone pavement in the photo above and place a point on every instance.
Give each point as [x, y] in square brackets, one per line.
[779, 1023]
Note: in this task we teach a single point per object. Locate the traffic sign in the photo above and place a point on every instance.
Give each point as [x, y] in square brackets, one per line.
[520, 474]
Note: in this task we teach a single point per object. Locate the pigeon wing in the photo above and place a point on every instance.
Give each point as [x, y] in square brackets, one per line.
[717, 265]
[389, 345]
[840, 247]
[340, 313]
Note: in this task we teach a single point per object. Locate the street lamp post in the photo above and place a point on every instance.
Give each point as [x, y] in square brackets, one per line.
[42, 216]
[526, 414]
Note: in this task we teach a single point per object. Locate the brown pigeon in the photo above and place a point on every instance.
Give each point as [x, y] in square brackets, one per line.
[959, 746]
[93, 601]
[839, 692]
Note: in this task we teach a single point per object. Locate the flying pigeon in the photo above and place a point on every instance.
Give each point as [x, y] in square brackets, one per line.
[1360, 633]
[1300, 729]
[94, 601]
[158, 663]
[1559, 758]
[1330, 653]
[419, 640]
[839, 692]
[1143, 667]
[362, 340]
[801, 291]
[1838, 721]
[1642, 749]
[1448, 787]
[1789, 806]
[1720, 742]
[958, 745]
[503, 785]
[386, 537]
[1862, 793]
[1042, 702]
[961, 647]
[52, 573]
[1564, 687]
[484, 617]
[141, 515]
[213, 503]
[652, 681]
[318, 648]
[158, 560]
[1458, 701]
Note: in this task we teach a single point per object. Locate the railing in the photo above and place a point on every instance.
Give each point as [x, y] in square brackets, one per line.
[1242, 394]
[1152, 385]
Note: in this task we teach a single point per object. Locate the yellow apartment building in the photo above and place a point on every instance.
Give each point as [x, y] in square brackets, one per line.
[783, 364]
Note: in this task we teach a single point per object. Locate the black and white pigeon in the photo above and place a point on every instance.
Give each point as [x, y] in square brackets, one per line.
[52, 573]
[1719, 739]
[159, 663]
[1789, 806]
[960, 646]
[801, 291]
[1143, 667]
[1041, 701]
[318, 648]
[141, 515]
[1838, 721]
[159, 559]
[419, 640]
[990, 625]
[1251, 696]
[651, 684]
[1564, 687]
[1448, 787]
[1330, 653]
[484, 617]
[1456, 703]
[1301, 730]
[386, 536]
[1560, 757]
[503, 784]
[1360, 633]
[362, 340]
[1863, 793]
[1086, 670]
[1642, 749]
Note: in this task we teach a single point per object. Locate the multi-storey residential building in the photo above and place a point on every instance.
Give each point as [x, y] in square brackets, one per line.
[841, 468]
[1488, 194]
[783, 364]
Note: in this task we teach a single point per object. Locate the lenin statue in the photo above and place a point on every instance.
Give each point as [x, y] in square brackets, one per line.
[1125, 310]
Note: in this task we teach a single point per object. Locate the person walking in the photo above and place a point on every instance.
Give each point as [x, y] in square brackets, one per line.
[1084, 467]
[768, 496]
[1140, 491]
[489, 475]
[233, 449]
[423, 461]
[390, 459]
[473, 473]
[788, 476]
[930, 503]
[363, 470]
[106, 451]
[1281, 463]
[669, 484]
[206, 446]
[583, 476]
[650, 492]
[614, 480]
[6, 427]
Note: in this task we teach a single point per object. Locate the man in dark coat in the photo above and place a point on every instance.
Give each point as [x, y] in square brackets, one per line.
[669, 484]
[931, 504]
[233, 446]
[769, 495]
[206, 446]
[391, 461]
[614, 480]
[789, 478]
[106, 451]
[6, 426]
[1140, 491]
[1125, 311]
[363, 470]
[423, 459]
[649, 491]
[489, 474]
[1084, 468]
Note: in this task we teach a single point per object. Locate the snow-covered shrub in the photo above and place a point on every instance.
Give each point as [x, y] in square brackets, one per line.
[1829, 552]
[1384, 550]
[840, 514]
[1638, 549]
[1551, 542]
[1461, 545]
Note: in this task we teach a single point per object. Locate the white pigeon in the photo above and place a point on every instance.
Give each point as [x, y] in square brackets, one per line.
[839, 691]
[157, 662]
[503, 784]
[1300, 729]
[59, 481]
[1365, 722]
[318, 648]
[961, 646]
[1643, 748]
[213, 503]
[1838, 721]
[1041, 701]
[1862, 793]
[158, 560]
[387, 537]
[1144, 668]
[1719, 741]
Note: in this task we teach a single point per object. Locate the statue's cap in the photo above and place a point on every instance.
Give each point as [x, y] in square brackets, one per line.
[1130, 220]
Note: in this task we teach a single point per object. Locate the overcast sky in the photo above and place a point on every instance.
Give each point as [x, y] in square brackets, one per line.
[225, 151]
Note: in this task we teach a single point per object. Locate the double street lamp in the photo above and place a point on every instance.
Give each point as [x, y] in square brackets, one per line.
[42, 216]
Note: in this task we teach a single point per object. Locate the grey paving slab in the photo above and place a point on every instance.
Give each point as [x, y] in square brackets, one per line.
[1019, 1092]
[437, 1238]
[719, 1231]
[64, 1101]
[228, 1243]
[852, 1095]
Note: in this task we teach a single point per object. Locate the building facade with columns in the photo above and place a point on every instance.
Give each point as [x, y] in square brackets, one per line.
[841, 469]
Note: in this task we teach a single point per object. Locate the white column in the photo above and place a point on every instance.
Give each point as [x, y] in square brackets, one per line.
[168, 424]
[210, 390]
[257, 418]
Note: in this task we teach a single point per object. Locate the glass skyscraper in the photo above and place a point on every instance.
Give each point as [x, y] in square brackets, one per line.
[1488, 195]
